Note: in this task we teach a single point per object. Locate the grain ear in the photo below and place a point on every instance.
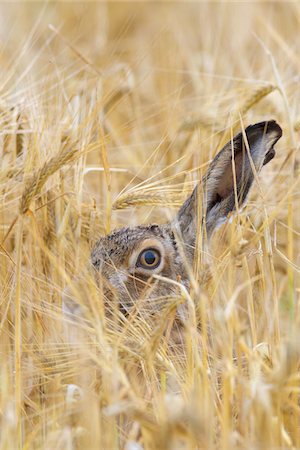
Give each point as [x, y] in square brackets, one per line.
[229, 179]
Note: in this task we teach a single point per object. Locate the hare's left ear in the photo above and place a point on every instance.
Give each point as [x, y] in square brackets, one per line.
[222, 187]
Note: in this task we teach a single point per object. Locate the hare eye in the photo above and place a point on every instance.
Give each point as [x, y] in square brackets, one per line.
[149, 259]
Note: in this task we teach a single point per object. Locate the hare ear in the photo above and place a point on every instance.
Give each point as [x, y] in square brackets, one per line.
[222, 188]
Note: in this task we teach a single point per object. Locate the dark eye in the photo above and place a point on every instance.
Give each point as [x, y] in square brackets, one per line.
[149, 259]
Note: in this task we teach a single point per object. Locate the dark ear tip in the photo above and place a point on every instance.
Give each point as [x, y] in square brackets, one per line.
[272, 125]
[269, 128]
[266, 127]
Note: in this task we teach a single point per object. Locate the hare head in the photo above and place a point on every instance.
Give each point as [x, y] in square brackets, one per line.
[145, 262]
[130, 259]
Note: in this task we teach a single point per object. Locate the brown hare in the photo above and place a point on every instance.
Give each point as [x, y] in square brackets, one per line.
[139, 262]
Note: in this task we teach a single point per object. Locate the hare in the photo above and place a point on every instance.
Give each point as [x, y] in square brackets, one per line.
[129, 260]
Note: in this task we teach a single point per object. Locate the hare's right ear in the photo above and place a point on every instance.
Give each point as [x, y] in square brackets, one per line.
[229, 179]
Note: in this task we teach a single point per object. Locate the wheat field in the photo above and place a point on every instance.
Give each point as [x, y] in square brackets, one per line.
[110, 113]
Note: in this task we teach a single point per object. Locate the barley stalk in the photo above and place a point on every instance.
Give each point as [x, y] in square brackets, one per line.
[149, 199]
[203, 120]
[18, 339]
[38, 179]
[255, 97]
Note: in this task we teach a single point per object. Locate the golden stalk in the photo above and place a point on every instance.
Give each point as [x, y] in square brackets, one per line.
[149, 199]
[38, 179]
